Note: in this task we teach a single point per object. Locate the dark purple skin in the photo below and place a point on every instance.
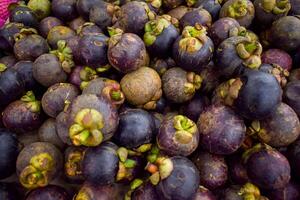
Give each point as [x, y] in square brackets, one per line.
[132, 17]
[9, 148]
[102, 105]
[24, 15]
[89, 29]
[8, 191]
[57, 33]
[47, 70]
[93, 50]
[100, 164]
[279, 57]
[196, 16]
[193, 108]
[294, 75]
[72, 43]
[182, 183]
[50, 192]
[11, 86]
[268, 169]
[204, 194]
[99, 192]
[179, 11]
[288, 42]
[7, 33]
[19, 118]
[295, 7]
[212, 6]
[47, 133]
[219, 31]
[294, 158]
[25, 70]
[232, 193]
[168, 143]
[281, 128]
[162, 65]
[73, 169]
[62, 127]
[136, 127]
[47, 24]
[163, 44]
[54, 99]
[222, 131]
[145, 192]
[245, 20]
[291, 95]
[237, 170]
[8, 61]
[278, 72]
[290, 192]
[128, 54]
[211, 80]
[193, 61]
[74, 77]
[84, 7]
[76, 23]
[64, 9]
[171, 4]
[212, 168]
[259, 95]
[102, 14]
[30, 47]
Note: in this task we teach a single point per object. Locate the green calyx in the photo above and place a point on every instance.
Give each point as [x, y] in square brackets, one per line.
[190, 3]
[25, 32]
[255, 130]
[277, 7]
[36, 173]
[86, 75]
[229, 91]
[42, 8]
[249, 192]
[136, 183]
[193, 83]
[86, 129]
[31, 102]
[160, 170]
[103, 68]
[2, 67]
[238, 9]
[185, 129]
[113, 92]
[256, 148]
[154, 28]
[193, 38]
[242, 31]
[73, 163]
[151, 15]
[155, 3]
[65, 56]
[125, 164]
[153, 154]
[250, 52]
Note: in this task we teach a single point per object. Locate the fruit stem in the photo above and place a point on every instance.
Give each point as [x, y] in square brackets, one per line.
[238, 9]
[31, 102]
[2, 67]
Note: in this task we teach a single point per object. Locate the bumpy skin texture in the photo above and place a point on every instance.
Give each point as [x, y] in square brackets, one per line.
[182, 183]
[30, 47]
[268, 169]
[47, 24]
[127, 53]
[200, 16]
[93, 50]
[212, 168]
[24, 15]
[59, 33]
[259, 96]
[279, 38]
[47, 133]
[136, 127]
[108, 111]
[8, 192]
[294, 157]
[290, 192]
[295, 7]
[173, 81]
[97, 192]
[145, 192]
[141, 86]
[50, 192]
[193, 61]
[282, 127]
[245, 20]
[213, 7]
[57, 96]
[100, 164]
[291, 95]
[11, 86]
[279, 57]
[36, 148]
[132, 17]
[25, 70]
[221, 130]
[47, 70]
[9, 151]
[64, 9]
[167, 141]
[204, 194]
[219, 30]
[18, 117]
